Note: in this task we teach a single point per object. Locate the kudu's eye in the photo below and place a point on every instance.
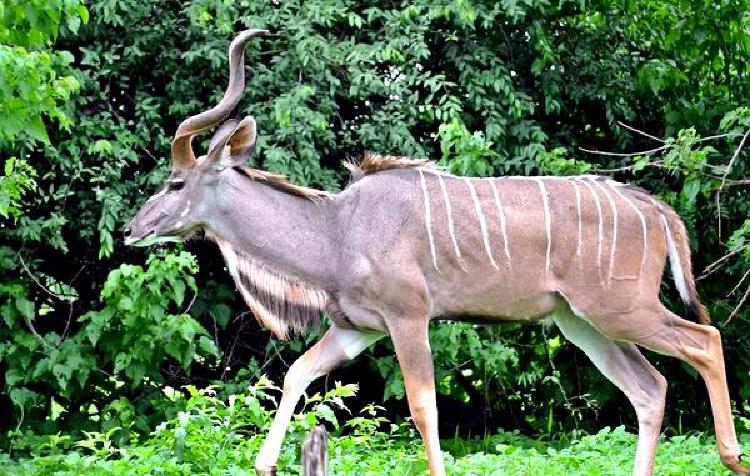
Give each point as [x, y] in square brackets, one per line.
[176, 185]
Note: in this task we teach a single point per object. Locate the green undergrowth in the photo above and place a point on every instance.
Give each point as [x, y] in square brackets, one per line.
[214, 435]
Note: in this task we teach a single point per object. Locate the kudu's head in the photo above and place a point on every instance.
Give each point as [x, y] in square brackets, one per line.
[184, 203]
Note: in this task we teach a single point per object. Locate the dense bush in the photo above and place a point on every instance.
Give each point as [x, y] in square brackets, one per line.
[487, 88]
[217, 435]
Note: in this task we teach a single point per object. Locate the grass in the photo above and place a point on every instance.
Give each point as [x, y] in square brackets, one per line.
[213, 436]
[609, 452]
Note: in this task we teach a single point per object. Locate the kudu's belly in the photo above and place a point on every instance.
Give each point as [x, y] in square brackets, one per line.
[491, 300]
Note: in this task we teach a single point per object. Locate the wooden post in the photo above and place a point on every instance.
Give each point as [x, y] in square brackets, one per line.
[314, 452]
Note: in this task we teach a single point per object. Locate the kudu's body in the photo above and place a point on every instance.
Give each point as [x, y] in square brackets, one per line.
[405, 244]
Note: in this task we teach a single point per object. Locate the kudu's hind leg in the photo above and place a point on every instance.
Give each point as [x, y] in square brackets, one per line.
[411, 341]
[625, 366]
[700, 346]
[335, 347]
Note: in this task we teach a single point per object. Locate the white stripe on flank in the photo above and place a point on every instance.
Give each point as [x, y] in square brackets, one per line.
[613, 207]
[601, 224]
[547, 221]
[502, 219]
[482, 222]
[580, 222]
[451, 229]
[615, 186]
[428, 219]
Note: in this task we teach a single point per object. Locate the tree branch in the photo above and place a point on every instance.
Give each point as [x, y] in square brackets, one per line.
[631, 154]
[738, 307]
[637, 131]
[724, 179]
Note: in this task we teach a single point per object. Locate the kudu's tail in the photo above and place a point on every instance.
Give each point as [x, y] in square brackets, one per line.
[678, 248]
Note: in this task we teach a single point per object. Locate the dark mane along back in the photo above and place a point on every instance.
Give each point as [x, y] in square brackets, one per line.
[279, 182]
[373, 163]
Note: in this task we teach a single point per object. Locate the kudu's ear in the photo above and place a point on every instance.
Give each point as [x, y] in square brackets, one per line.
[233, 143]
[242, 139]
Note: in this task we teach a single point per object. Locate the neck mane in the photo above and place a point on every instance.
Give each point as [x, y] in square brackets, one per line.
[279, 182]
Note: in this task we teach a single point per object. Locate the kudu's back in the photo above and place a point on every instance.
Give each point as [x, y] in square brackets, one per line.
[516, 248]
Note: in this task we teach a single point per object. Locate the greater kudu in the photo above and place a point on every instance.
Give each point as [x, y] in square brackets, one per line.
[406, 243]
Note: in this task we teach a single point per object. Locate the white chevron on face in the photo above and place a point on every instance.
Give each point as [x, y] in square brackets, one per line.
[482, 222]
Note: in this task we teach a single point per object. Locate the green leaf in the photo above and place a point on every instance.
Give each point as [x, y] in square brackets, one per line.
[207, 346]
[26, 308]
[21, 396]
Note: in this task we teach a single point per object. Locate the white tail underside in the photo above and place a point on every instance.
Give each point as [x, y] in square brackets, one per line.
[674, 263]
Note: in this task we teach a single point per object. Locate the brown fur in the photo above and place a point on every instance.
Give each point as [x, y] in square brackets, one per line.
[694, 309]
[279, 182]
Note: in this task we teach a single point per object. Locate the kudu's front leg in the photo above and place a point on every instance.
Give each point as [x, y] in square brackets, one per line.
[411, 341]
[337, 346]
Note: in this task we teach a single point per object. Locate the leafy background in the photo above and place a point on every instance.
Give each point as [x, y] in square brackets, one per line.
[96, 336]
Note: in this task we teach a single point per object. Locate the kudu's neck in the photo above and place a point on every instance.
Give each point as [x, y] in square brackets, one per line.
[290, 234]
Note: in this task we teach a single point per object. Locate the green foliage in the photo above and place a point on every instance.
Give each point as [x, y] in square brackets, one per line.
[16, 180]
[134, 330]
[31, 86]
[112, 352]
[221, 436]
[464, 153]
[36, 23]
[31, 89]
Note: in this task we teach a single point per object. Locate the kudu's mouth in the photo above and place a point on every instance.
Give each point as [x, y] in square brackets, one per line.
[151, 238]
